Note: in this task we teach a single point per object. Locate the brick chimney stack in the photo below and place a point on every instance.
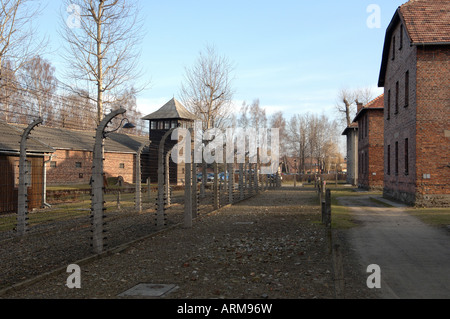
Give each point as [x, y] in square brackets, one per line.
[359, 106]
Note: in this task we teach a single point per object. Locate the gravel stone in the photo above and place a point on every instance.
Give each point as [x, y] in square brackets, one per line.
[270, 246]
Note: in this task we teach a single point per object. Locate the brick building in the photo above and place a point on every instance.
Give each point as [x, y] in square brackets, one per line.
[71, 162]
[415, 74]
[370, 144]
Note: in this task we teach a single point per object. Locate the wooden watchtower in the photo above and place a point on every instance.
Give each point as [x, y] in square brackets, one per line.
[172, 115]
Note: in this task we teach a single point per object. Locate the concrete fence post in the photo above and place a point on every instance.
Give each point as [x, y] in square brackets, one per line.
[188, 196]
[257, 174]
[241, 181]
[216, 187]
[230, 183]
[22, 208]
[160, 202]
[138, 196]
[249, 179]
[195, 194]
[149, 190]
[167, 180]
[98, 183]
[204, 179]
[326, 208]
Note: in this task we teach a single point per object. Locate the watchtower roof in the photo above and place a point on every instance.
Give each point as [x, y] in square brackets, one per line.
[170, 111]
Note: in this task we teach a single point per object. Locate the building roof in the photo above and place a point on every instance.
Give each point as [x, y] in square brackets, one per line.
[75, 140]
[10, 137]
[171, 110]
[353, 126]
[375, 104]
[426, 23]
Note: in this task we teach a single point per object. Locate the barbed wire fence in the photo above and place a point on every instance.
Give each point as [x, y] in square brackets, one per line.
[54, 200]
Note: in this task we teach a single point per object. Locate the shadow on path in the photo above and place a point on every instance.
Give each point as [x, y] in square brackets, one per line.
[414, 258]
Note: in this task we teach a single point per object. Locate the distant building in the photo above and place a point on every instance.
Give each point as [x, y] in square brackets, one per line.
[370, 144]
[415, 74]
[71, 162]
[170, 116]
[351, 132]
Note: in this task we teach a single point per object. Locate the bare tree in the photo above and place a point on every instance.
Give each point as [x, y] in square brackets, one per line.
[207, 90]
[18, 42]
[278, 121]
[128, 100]
[83, 118]
[298, 137]
[39, 81]
[102, 48]
[258, 116]
[347, 99]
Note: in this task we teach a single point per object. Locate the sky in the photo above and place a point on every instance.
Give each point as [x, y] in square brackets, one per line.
[292, 55]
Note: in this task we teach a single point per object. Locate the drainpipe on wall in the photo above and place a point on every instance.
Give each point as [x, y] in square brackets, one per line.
[44, 186]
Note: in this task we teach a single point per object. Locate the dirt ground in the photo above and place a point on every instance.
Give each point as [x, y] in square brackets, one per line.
[271, 246]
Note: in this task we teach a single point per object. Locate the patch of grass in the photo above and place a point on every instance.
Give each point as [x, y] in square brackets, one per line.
[432, 216]
[341, 217]
[66, 211]
[68, 187]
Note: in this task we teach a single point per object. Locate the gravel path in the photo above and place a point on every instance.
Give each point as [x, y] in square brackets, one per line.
[269, 246]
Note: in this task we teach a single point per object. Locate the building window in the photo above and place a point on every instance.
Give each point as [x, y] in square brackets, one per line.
[53, 164]
[362, 128]
[160, 125]
[400, 46]
[388, 105]
[393, 48]
[166, 125]
[361, 163]
[174, 124]
[367, 162]
[366, 125]
[78, 165]
[406, 156]
[389, 160]
[396, 97]
[153, 125]
[407, 89]
[396, 158]
[122, 165]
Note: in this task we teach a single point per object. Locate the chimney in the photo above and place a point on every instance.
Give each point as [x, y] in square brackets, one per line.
[359, 106]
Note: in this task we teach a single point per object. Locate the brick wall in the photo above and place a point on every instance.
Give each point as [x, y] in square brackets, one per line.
[117, 164]
[433, 120]
[400, 121]
[416, 116]
[75, 167]
[370, 149]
